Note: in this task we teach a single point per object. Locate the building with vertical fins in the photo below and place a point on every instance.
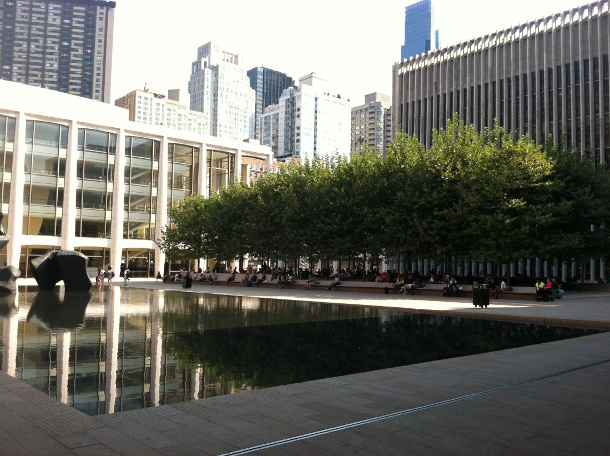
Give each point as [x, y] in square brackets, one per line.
[219, 86]
[549, 76]
[420, 33]
[63, 45]
[268, 85]
[546, 77]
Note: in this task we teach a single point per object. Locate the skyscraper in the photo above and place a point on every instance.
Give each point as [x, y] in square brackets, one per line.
[309, 122]
[219, 86]
[63, 45]
[268, 85]
[420, 35]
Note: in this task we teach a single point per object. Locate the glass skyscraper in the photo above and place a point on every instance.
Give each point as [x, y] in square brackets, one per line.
[269, 85]
[63, 45]
[420, 36]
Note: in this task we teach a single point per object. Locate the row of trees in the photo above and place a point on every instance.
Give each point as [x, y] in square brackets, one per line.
[472, 196]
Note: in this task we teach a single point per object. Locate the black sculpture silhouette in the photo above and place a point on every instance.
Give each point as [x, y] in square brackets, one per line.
[66, 265]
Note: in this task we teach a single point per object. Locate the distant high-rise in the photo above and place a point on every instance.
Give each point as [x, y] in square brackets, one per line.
[420, 35]
[268, 85]
[372, 123]
[220, 87]
[309, 122]
[63, 45]
[154, 107]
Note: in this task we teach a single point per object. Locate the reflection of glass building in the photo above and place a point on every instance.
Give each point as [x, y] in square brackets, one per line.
[79, 175]
[420, 36]
[63, 45]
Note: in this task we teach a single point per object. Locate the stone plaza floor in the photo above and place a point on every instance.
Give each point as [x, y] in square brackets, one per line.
[546, 399]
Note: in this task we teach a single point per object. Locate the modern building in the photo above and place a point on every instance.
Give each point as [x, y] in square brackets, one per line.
[79, 175]
[154, 107]
[372, 123]
[420, 33]
[546, 77]
[63, 45]
[268, 85]
[309, 122]
[220, 87]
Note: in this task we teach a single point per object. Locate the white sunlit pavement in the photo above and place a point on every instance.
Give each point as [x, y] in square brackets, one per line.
[551, 398]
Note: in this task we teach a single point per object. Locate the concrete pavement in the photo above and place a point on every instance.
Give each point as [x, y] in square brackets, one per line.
[543, 399]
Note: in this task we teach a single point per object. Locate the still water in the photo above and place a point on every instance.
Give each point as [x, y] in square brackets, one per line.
[121, 349]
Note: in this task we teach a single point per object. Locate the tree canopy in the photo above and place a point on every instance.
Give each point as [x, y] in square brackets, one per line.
[472, 195]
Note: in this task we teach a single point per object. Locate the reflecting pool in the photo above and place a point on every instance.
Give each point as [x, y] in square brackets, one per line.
[119, 349]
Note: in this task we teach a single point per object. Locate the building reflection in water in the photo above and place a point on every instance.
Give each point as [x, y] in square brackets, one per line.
[120, 349]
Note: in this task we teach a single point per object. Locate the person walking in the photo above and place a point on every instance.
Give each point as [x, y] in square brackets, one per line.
[126, 274]
[110, 273]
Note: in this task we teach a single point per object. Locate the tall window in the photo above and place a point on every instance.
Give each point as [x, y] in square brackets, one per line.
[141, 178]
[7, 144]
[183, 172]
[45, 166]
[95, 173]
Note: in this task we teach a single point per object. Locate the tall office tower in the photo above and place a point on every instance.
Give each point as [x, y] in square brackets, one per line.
[370, 123]
[220, 87]
[154, 107]
[420, 36]
[268, 85]
[309, 122]
[63, 45]
[546, 77]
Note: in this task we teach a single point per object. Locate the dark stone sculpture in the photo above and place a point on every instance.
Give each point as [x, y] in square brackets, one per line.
[8, 274]
[66, 265]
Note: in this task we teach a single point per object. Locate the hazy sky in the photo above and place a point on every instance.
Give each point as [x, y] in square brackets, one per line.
[352, 45]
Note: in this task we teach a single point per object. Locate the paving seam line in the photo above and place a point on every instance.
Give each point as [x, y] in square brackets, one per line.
[406, 412]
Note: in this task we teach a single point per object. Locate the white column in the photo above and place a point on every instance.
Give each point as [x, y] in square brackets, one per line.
[10, 332]
[15, 209]
[118, 204]
[195, 383]
[113, 318]
[162, 190]
[63, 365]
[68, 229]
[238, 159]
[156, 348]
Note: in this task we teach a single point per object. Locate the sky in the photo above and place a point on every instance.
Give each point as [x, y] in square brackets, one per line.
[351, 45]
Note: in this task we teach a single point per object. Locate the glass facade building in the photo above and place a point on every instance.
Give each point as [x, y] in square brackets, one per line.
[63, 45]
[268, 85]
[79, 175]
[420, 35]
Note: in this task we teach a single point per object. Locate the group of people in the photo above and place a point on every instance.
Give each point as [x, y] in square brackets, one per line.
[101, 275]
[549, 289]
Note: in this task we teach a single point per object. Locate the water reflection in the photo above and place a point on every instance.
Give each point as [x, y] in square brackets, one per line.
[122, 349]
[52, 311]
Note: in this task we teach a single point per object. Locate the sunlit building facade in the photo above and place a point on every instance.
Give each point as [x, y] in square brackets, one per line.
[308, 122]
[79, 175]
[219, 86]
[63, 45]
[154, 107]
[372, 123]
